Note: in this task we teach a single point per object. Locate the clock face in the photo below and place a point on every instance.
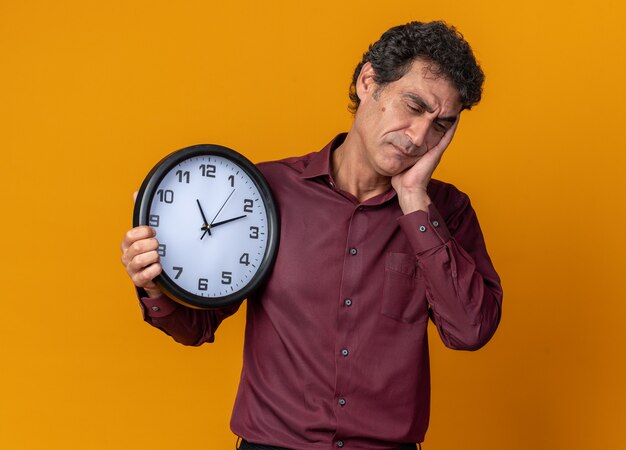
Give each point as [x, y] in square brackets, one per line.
[215, 222]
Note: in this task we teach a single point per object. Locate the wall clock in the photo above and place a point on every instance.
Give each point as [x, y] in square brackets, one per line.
[216, 223]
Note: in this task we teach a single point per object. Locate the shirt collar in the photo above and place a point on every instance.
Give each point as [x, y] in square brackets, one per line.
[319, 165]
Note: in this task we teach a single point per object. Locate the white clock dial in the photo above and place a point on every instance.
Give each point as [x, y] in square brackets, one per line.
[212, 225]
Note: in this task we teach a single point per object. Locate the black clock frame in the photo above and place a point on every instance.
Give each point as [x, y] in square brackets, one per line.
[141, 216]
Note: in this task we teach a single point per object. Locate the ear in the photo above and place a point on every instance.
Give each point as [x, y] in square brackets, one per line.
[365, 84]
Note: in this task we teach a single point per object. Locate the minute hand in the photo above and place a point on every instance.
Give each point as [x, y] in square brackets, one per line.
[207, 227]
[227, 220]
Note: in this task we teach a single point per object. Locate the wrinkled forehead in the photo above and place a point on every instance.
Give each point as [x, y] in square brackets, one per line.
[426, 81]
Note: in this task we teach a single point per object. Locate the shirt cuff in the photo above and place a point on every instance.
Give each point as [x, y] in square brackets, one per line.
[425, 230]
[160, 306]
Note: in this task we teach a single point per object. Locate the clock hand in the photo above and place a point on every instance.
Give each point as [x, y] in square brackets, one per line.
[207, 228]
[225, 221]
[218, 213]
[206, 222]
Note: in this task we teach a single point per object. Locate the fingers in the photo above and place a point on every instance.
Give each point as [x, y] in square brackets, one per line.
[447, 137]
[135, 234]
[140, 256]
[141, 261]
[143, 278]
[432, 157]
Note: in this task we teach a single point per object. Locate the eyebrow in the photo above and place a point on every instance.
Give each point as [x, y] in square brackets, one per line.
[421, 102]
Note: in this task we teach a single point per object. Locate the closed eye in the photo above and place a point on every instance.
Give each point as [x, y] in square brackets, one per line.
[441, 128]
[415, 109]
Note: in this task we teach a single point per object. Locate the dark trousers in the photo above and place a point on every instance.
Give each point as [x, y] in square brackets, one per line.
[245, 445]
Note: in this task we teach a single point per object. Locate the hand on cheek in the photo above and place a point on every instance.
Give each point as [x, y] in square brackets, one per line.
[411, 184]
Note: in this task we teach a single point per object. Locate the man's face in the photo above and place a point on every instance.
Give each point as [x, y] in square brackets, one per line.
[399, 122]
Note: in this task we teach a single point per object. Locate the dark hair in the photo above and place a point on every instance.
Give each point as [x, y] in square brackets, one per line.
[433, 42]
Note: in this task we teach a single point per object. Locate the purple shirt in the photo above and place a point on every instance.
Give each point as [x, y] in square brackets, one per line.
[336, 349]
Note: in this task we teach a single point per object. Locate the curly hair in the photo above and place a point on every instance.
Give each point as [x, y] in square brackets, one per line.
[437, 43]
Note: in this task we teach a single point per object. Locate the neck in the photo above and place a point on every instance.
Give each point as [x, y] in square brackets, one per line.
[353, 173]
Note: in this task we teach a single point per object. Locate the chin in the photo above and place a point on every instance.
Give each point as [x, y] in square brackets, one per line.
[393, 166]
[391, 171]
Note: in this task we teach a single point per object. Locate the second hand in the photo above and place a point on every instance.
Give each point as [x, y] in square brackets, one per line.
[208, 228]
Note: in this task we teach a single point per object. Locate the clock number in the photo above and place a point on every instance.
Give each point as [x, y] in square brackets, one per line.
[183, 175]
[227, 277]
[231, 178]
[154, 220]
[179, 270]
[161, 250]
[208, 170]
[247, 205]
[166, 196]
[254, 232]
[245, 259]
[203, 284]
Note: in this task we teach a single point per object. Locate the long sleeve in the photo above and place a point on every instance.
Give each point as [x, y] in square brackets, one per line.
[462, 286]
[185, 325]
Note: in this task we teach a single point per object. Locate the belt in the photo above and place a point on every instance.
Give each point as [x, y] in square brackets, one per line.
[245, 445]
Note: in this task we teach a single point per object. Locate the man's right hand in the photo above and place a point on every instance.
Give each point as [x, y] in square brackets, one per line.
[141, 259]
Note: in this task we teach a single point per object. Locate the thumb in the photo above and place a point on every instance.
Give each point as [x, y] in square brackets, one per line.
[135, 196]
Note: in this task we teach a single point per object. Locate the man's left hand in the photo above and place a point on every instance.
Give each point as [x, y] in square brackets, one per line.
[411, 184]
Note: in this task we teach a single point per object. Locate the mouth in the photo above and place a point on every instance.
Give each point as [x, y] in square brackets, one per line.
[413, 153]
[402, 151]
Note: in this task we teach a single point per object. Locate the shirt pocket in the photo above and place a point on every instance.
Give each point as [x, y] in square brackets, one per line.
[404, 291]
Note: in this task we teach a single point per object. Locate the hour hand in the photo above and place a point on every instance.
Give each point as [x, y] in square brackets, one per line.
[207, 228]
[205, 225]
[226, 221]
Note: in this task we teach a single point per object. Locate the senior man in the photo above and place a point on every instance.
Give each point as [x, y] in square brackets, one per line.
[371, 247]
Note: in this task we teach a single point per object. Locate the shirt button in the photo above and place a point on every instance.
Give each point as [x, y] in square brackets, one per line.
[347, 302]
[155, 308]
[342, 402]
[353, 251]
[435, 223]
[344, 352]
[422, 228]
[339, 444]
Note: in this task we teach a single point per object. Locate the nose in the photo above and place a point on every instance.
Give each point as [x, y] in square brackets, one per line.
[418, 131]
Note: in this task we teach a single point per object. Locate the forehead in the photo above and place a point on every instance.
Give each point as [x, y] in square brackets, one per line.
[425, 80]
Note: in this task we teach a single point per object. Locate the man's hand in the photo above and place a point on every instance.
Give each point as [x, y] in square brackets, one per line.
[411, 184]
[141, 259]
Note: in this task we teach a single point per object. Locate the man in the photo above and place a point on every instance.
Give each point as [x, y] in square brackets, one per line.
[336, 352]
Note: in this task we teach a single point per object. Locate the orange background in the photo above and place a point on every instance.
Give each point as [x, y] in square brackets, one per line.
[93, 93]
